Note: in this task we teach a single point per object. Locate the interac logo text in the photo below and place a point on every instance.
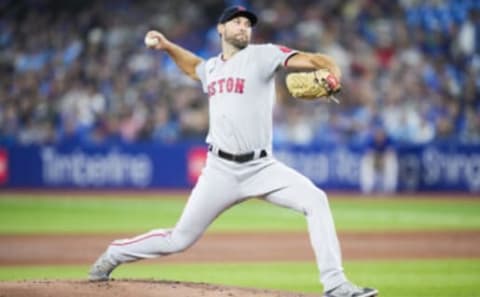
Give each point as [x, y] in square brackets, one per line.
[112, 168]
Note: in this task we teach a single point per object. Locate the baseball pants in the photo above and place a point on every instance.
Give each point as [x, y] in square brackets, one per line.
[223, 184]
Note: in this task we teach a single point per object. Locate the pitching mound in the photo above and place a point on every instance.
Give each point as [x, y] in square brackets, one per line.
[129, 288]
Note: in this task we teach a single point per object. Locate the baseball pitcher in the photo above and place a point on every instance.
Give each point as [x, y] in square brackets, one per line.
[240, 86]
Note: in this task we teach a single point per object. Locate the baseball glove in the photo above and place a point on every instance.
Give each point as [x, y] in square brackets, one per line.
[312, 85]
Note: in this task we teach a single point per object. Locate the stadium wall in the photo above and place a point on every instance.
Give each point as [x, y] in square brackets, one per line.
[420, 168]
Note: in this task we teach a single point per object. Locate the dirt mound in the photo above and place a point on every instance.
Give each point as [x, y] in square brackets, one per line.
[130, 288]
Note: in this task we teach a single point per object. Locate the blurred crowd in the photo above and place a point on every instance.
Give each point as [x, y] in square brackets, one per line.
[78, 71]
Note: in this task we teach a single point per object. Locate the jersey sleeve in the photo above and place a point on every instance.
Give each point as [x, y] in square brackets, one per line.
[274, 56]
[202, 74]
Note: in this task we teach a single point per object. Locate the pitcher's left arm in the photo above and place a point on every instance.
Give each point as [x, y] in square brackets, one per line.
[311, 61]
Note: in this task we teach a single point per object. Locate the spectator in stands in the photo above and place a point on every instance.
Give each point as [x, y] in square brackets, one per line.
[379, 166]
[87, 73]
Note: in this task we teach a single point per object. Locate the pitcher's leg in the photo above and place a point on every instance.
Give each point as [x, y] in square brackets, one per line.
[215, 192]
[300, 194]
[207, 200]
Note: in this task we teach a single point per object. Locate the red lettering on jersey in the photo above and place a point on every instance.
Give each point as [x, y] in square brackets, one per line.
[220, 83]
[211, 89]
[226, 85]
[284, 49]
[239, 85]
[229, 84]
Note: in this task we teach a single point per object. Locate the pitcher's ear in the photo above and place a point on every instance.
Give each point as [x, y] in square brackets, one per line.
[220, 29]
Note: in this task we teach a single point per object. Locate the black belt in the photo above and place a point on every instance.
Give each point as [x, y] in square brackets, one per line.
[241, 158]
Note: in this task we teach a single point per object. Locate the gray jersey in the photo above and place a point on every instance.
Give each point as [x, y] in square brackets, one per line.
[241, 92]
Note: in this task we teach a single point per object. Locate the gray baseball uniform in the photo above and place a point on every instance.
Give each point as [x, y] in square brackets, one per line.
[240, 164]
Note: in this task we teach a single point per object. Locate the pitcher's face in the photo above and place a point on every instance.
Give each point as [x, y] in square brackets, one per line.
[237, 32]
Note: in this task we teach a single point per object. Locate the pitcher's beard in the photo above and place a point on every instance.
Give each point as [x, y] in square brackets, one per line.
[237, 42]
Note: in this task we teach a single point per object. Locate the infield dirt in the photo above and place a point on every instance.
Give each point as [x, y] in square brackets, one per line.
[251, 247]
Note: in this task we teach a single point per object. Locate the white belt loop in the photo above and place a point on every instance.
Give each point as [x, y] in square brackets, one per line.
[256, 154]
[214, 149]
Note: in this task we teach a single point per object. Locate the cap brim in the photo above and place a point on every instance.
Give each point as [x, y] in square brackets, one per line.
[249, 15]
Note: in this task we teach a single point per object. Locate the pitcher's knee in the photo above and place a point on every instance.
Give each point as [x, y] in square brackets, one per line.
[181, 245]
[181, 241]
[315, 199]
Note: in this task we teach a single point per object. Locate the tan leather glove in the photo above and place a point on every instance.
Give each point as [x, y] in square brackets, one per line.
[312, 85]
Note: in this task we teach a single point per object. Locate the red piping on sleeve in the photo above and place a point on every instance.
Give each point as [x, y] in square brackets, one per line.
[288, 58]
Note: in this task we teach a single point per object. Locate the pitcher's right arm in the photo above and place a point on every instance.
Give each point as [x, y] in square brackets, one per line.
[185, 59]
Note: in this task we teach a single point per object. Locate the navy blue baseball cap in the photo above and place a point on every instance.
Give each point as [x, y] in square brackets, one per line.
[237, 10]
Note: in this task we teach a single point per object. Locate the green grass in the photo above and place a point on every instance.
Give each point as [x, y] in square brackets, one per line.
[22, 214]
[429, 278]
[28, 214]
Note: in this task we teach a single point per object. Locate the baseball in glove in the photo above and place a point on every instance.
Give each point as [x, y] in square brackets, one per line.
[312, 85]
